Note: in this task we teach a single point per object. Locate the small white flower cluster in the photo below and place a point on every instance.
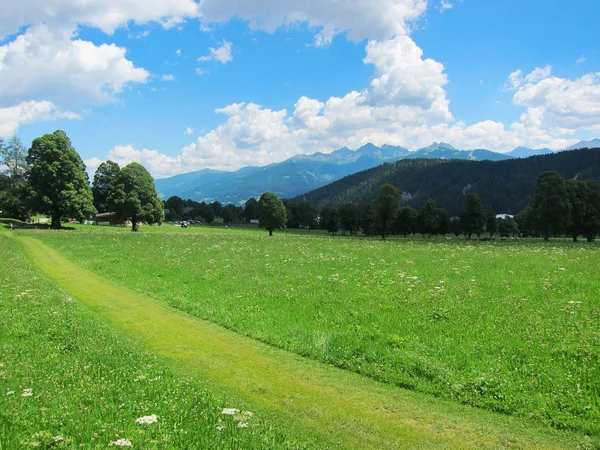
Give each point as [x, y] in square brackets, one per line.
[27, 392]
[240, 416]
[147, 420]
[121, 443]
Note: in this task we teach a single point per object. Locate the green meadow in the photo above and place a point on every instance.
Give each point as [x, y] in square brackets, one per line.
[69, 381]
[509, 327]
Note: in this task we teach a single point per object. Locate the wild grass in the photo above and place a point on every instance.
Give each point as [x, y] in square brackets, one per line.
[68, 381]
[512, 327]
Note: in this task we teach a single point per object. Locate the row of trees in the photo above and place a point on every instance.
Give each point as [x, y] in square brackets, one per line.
[557, 206]
[50, 178]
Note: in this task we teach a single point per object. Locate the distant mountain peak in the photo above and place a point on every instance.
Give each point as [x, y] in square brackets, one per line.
[594, 143]
[439, 145]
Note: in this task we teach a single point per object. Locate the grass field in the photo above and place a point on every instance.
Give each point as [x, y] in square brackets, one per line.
[509, 327]
[69, 381]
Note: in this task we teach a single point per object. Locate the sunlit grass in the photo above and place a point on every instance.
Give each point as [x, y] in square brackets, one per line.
[507, 326]
[68, 381]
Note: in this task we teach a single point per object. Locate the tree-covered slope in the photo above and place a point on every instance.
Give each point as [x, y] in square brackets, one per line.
[504, 186]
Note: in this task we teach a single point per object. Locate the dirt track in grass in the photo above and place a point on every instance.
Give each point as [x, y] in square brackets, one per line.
[344, 409]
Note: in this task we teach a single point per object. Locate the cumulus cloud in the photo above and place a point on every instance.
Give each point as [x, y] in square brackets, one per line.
[106, 15]
[581, 59]
[167, 77]
[12, 117]
[221, 54]
[359, 19]
[47, 64]
[558, 102]
[445, 5]
[189, 131]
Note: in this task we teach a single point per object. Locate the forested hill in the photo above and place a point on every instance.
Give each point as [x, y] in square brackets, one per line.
[503, 186]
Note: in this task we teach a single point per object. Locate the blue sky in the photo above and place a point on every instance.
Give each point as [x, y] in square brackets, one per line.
[182, 85]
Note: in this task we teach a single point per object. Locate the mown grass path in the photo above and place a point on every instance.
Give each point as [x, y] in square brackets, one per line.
[347, 410]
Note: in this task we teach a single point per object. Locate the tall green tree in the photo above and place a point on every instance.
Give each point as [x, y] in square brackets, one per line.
[59, 182]
[13, 196]
[13, 156]
[407, 221]
[473, 219]
[387, 205]
[591, 223]
[334, 223]
[443, 222]
[577, 192]
[550, 207]
[367, 220]
[349, 217]
[175, 206]
[428, 218]
[251, 209]
[135, 197]
[104, 182]
[272, 214]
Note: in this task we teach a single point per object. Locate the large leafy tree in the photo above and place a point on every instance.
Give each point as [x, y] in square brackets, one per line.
[591, 223]
[550, 207]
[407, 220]
[272, 214]
[367, 220]
[349, 217]
[251, 209]
[135, 197]
[577, 192]
[175, 206]
[57, 176]
[428, 218]
[473, 219]
[104, 183]
[387, 205]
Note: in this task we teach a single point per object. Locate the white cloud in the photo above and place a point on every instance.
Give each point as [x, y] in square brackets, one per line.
[445, 5]
[167, 77]
[560, 102]
[581, 59]
[200, 71]
[404, 78]
[11, 118]
[47, 64]
[178, 52]
[360, 19]
[106, 15]
[189, 131]
[221, 54]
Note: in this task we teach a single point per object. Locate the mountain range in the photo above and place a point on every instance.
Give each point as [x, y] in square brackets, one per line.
[304, 173]
[503, 186]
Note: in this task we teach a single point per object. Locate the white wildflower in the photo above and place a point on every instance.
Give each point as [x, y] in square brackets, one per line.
[121, 443]
[58, 438]
[220, 427]
[10, 392]
[147, 420]
[248, 413]
[230, 411]
[27, 392]
[242, 425]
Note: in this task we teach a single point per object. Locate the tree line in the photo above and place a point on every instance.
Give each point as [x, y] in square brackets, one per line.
[556, 207]
[50, 178]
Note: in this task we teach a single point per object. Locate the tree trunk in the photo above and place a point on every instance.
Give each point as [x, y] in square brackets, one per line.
[134, 225]
[574, 237]
[546, 236]
[270, 232]
[56, 221]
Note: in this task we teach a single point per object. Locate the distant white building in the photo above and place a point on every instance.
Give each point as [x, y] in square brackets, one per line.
[504, 216]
